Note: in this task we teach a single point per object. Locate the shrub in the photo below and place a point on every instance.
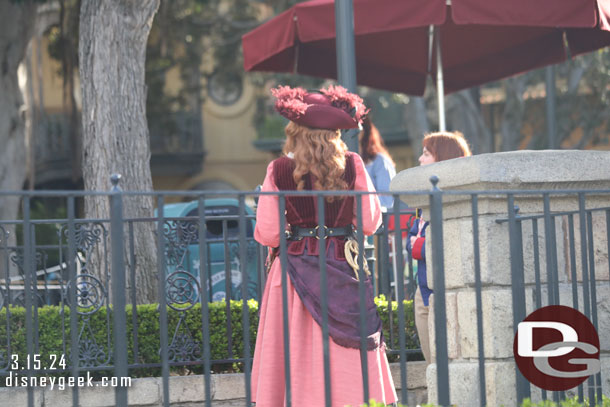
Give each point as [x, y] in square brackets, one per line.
[387, 308]
[96, 332]
[573, 402]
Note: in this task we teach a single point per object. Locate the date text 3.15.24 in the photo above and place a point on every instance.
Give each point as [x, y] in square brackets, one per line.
[38, 362]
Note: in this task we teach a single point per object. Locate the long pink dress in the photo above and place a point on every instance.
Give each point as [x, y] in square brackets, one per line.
[306, 344]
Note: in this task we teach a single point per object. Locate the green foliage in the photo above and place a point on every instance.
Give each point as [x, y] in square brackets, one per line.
[195, 37]
[54, 335]
[184, 34]
[386, 111]
[573, 402]
[45, 233]
[271, 127]
[53, 330]
[268, 123]
[373, 403]
[190, 325]
[387, 309]
[582, 100]
[193, 40]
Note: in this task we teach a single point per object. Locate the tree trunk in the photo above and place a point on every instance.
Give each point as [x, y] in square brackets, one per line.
[514, 110]
[16, 29]
[112, 51]
[17, 23]
[417, 123]
[464, 114]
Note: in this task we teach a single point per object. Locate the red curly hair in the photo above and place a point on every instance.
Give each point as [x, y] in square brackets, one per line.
[446, 145]
[319, 152]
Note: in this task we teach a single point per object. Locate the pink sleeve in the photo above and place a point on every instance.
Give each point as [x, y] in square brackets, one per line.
[267, 229]
[371, 208]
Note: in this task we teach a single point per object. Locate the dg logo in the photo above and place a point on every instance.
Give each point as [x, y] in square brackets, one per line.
[556, 348]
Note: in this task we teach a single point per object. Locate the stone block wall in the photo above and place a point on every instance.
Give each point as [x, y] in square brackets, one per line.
[513, 171]
[228, 390]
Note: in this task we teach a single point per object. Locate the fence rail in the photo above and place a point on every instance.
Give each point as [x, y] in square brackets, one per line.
[207, 259]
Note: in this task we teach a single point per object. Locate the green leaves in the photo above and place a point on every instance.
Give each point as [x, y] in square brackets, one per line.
[53, 331]
[573, 402]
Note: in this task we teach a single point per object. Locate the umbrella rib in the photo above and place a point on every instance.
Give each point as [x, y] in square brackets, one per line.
[430, 44]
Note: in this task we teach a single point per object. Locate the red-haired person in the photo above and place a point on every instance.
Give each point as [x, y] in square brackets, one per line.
[315, 158]
[377, 160]
[436, 147]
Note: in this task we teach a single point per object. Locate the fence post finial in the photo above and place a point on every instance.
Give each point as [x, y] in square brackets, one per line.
[434, 180]
[115, 179]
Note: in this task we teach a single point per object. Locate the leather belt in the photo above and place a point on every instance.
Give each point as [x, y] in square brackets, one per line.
[298, 233]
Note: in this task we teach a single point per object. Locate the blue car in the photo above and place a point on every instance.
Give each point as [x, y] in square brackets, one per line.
[222, 241]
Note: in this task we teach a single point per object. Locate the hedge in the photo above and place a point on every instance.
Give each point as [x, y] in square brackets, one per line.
[573, 402]
[96, 329]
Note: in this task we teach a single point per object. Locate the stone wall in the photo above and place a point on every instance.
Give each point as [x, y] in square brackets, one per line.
[185, 391]
[521, 170]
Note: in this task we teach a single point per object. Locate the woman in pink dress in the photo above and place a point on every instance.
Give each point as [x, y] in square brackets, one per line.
[317, 159]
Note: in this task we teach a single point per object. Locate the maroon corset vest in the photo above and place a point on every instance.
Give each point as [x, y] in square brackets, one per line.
[303, 210]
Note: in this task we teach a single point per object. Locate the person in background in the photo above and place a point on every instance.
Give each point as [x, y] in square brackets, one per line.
[377, 160]
[436, 147]
[316, 159]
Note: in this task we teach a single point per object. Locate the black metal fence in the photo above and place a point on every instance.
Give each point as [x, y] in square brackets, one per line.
[101, 329]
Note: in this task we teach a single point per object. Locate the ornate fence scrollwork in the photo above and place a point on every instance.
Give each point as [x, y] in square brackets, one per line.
[184, 348]
[182, 290]
[4, 297]
[88, 236]
[16, 258]
[91, 354]
[91, 291]
[178, 236]
[90, 294]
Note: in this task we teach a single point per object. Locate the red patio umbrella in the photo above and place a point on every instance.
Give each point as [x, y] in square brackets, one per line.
[482, 40]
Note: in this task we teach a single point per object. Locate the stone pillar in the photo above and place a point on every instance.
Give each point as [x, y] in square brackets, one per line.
[511, 171]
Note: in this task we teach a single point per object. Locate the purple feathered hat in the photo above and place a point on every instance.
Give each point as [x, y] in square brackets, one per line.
[331, 108]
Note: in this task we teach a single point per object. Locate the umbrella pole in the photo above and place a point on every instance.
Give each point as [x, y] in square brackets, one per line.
[346, 59]
[440, 84]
